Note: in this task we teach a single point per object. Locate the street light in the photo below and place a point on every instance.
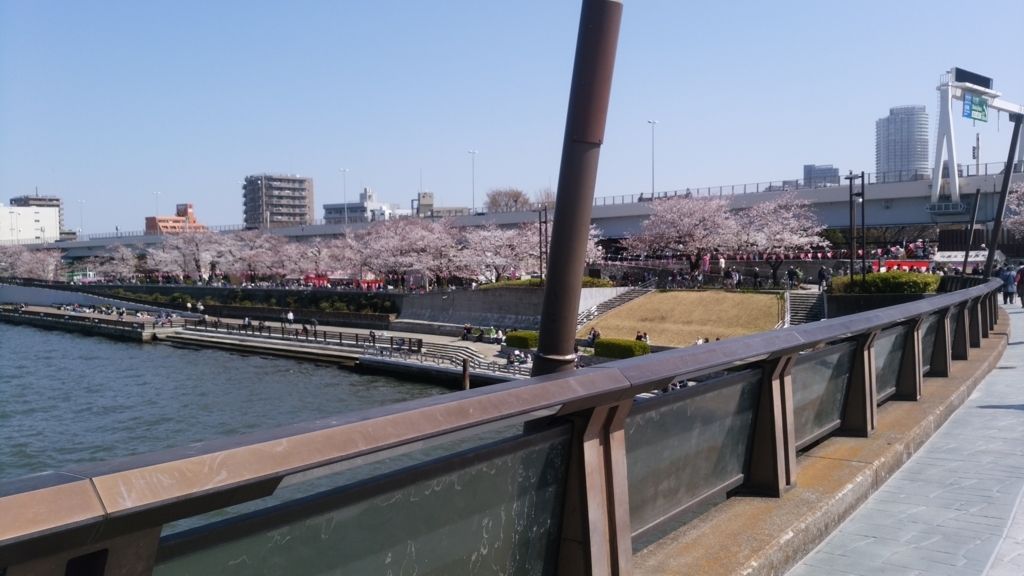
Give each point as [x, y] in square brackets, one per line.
[652, 123]
[851, 177]
[344, 190]
[472, 209]
[81, 217]
[156, 195]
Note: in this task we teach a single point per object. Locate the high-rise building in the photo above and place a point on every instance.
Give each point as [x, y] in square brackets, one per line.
[38, 201]
[367, 209]
[277, 200]
[901, 144]
[818, 176]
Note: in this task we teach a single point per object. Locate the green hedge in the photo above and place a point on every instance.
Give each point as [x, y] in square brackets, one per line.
[615, 348]
[887, 283]
[538, 283]
[522, 339]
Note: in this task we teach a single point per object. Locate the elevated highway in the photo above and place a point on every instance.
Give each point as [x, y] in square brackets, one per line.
[901, 203]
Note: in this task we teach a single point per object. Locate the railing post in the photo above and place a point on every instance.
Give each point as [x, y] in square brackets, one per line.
[961, 348]
[133, 554]
[596, 538]
[911, 377]
[993, 309]
[942, 358]
[773, 456]
[859, 410]
[985, 315]
[975, 322]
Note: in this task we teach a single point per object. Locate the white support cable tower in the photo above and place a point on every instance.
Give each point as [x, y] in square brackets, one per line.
[957, 85]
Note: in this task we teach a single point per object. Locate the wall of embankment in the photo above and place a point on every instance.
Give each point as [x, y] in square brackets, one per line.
[35, 296]
[430, 313]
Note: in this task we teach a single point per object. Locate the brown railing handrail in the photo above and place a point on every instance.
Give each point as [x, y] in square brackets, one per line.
[66, 509]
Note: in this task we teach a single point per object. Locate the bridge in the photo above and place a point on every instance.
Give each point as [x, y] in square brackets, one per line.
[589, 465]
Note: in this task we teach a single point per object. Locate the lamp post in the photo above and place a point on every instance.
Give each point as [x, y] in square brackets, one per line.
[156, 196]
[851, 177]
[652, 123]
[863, 230]
[81, 216]
[344, 190]
[42, 232]
[473, 168]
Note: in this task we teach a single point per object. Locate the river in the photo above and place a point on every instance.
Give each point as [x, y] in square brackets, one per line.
[68, 399]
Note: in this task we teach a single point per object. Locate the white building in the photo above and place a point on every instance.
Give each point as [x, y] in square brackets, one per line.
[29, 225]
[901, 144]
[367, 209]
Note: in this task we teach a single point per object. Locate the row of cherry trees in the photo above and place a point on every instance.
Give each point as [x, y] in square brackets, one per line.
[16, 261]
[697, 227]
[392, 249]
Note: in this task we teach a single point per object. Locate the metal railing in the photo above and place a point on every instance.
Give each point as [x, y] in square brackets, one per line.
[475, 364]
[557, 493]
[312, 335]
[126, 323]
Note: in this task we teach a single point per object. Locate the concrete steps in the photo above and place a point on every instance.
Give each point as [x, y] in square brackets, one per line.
[806, 307]
[613, 303]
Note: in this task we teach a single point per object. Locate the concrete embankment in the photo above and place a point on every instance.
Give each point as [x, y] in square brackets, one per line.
[128, 331]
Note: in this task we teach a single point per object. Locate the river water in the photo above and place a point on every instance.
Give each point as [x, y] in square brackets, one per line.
[68, 399]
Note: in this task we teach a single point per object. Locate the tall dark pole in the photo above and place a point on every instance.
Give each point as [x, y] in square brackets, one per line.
[853, 226]
[863, 231]
[997, 228]
[589, 93]
[970, 235]
[652, 123]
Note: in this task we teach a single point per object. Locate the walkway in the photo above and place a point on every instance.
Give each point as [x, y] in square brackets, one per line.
[955, 507]
[490, 351]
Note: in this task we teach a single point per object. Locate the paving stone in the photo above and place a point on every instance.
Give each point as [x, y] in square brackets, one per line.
[954, 508]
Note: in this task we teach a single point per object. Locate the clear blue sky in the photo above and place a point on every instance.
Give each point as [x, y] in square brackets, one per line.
[109, 101]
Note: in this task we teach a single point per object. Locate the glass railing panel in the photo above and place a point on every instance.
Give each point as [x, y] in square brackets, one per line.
[494, 509]
[954, 323]
[686, 445]
[820, 379]
[889, 348]
[929, 328]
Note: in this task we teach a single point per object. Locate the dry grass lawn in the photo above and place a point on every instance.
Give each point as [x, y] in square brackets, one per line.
[679, 318]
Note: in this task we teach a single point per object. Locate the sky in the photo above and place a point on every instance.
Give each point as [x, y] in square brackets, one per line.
[108, 102]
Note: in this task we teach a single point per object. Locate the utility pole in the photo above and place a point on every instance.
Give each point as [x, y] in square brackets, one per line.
[472, 209]
[652, 123]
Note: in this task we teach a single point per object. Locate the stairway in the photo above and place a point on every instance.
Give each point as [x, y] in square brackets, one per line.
[806, 306]
[613, 303]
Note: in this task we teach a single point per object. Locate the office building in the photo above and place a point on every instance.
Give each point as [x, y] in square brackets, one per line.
[819, 176]
[366, 209]
[29, 225]
[901, 144]
[29, 201]
[273, 201]
[184, 219]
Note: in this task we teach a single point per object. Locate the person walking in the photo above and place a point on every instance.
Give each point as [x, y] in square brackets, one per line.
[1020, 284]
[822, 279]
[791, 276]
[291, 318]
[1009, 278]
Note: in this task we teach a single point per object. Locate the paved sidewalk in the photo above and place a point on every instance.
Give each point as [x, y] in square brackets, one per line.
[954, 508]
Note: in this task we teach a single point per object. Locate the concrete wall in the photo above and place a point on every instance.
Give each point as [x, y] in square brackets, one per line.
[498, 307]
[33, 296]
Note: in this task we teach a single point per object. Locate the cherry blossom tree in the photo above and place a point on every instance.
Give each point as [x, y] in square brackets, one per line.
[252, 252]
[495, 251]
[122, 262]
[19, 262]
[1015, 209]
[11, 257]
[194, 252]
[686, 226]
[776, 227]
[448, 255]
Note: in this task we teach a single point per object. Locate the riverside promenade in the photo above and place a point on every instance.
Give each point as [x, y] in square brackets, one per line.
[955, 507]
